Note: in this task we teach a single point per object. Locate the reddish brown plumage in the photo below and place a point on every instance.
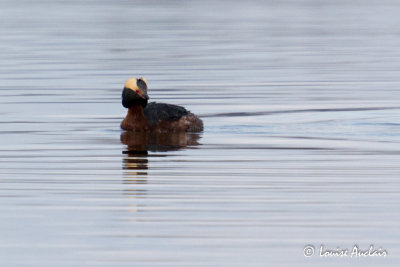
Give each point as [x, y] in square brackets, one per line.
[136, 121]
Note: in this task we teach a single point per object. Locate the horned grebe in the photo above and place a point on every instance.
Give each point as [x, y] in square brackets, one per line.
[158, 117]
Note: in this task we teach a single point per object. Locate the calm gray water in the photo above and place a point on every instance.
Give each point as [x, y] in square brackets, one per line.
[300, 101]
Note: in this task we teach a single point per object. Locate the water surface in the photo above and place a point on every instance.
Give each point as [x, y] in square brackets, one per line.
[300, 102]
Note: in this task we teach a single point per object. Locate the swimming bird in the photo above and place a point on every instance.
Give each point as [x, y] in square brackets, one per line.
[157, 117]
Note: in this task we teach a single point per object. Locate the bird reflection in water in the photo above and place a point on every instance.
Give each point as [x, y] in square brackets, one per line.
[138, 146]
[139, 143]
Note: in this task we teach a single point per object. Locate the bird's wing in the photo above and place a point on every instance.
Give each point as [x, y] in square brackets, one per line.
[155, 112]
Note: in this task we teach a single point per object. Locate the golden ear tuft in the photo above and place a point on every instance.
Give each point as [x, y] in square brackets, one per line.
[131, 83]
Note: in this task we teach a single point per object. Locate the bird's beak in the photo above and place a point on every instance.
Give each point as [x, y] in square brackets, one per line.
[145, 96]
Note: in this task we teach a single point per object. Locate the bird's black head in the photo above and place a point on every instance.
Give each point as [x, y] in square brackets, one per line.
[135, 93]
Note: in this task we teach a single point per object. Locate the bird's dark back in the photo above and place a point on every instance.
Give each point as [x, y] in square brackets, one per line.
[155, 112]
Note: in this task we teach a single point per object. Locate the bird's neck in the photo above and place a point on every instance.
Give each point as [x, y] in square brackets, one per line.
[136, 111]
[135, 119]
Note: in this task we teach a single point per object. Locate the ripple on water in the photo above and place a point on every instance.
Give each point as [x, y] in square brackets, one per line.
[300, 105]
